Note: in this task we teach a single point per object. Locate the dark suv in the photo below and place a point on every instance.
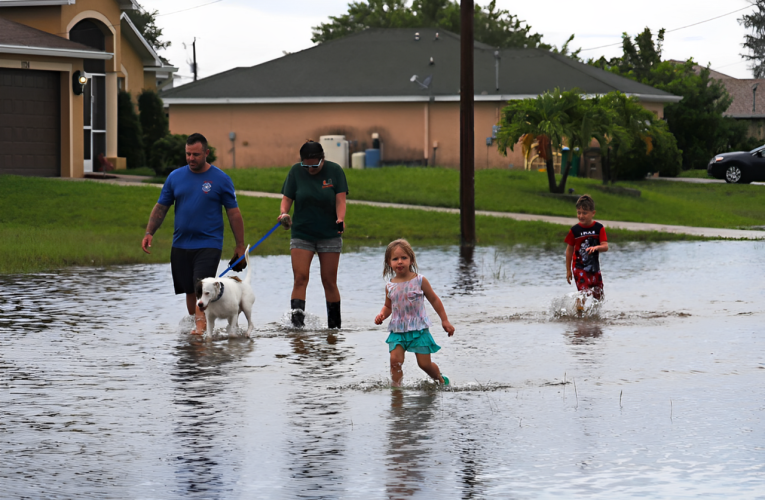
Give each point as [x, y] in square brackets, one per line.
[739, 167]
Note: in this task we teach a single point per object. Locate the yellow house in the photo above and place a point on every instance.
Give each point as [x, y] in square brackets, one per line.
[62, 63]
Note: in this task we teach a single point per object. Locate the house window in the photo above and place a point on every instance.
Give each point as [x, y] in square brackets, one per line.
[121, 83]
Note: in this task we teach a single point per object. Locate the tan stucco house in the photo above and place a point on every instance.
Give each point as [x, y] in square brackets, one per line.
[402, 84]
[51, 124]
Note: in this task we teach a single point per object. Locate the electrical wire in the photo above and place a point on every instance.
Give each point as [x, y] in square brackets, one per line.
[189, 8]
[674, 29]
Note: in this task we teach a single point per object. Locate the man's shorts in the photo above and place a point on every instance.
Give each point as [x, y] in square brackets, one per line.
[592, 282]
[332, 245]
[190, 266]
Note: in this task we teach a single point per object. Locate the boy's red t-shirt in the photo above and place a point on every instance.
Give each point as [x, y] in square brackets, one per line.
[582, 238]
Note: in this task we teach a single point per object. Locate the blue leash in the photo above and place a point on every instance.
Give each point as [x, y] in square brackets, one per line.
[251, 249]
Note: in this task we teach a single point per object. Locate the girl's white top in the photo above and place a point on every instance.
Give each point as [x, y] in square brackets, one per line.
[407, 306]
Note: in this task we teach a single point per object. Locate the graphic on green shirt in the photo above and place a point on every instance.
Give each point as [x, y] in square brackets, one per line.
[314, 214]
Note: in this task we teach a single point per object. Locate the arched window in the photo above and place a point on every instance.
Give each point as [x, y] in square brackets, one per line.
[88, 32]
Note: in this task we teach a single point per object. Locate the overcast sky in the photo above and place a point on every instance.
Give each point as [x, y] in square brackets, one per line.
[233, 33]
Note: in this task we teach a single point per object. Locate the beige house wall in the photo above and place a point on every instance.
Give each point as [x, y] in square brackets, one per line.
[149, 81]
[656, 107]
[47, 18]
[271, 134]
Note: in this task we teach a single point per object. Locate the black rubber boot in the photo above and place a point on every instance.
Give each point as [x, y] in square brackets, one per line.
[333, 315]
[298, 312]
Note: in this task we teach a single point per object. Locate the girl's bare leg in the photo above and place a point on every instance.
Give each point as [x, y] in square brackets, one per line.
[396, 366]
[429, 367]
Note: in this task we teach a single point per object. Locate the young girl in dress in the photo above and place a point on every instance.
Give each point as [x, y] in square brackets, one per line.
[404, 300]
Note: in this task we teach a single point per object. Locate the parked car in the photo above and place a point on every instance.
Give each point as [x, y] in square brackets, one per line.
[739, 167]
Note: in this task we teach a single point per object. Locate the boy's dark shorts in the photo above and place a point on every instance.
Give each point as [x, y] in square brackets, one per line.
[189, 266]
[589, 282]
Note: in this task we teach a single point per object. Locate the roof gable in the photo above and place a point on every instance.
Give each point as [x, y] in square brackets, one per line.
[20, 38]
[381, 63]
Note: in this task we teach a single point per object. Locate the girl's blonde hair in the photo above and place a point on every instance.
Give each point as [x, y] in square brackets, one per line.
[407, 248]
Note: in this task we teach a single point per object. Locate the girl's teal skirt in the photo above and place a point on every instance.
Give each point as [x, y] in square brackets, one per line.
[417, 341]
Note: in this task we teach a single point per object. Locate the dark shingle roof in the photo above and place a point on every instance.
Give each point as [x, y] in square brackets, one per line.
[21, 35]
[741, 92]
[381, 62]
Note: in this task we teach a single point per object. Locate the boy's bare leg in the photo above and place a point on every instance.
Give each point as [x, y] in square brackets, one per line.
[580, 305]
[429, 367]
[396, 366]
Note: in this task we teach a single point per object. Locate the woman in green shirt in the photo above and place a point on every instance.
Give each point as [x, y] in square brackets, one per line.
[318, 189]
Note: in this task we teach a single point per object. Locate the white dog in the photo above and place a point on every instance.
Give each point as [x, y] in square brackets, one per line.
[226, 298]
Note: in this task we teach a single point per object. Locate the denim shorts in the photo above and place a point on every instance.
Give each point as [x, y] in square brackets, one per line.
[332, 245]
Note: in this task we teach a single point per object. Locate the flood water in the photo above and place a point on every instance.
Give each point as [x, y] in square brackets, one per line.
[661, 395]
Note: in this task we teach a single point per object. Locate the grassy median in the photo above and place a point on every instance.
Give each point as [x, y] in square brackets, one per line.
[661, 202]
[50, 223]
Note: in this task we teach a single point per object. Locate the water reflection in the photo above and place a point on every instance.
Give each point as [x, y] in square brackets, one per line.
[587, 332]
[410, 430]
[203, 391]
[317, 437]
[467, 281]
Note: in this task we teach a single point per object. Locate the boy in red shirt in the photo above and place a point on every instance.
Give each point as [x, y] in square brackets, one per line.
[585, 242]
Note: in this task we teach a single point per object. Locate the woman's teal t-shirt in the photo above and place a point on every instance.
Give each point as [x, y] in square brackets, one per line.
[315, 213]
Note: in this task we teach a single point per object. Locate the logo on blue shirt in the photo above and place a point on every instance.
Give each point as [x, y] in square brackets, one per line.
[206, 186]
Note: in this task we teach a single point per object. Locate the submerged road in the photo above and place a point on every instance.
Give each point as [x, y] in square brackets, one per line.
[707, 232]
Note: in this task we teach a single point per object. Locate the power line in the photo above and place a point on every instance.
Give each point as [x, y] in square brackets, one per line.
[190, 8]
[731, 64]
[675, 29]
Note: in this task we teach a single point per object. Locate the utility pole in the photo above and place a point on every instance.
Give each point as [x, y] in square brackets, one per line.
[467, 127]
[194, 51]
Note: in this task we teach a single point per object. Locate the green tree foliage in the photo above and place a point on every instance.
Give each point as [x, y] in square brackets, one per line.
[153, 119]
[552, 119]
[755, 42]
[493, 26]
[633, 138]
[697, 121]
[146, 23]
[129, 134]
[169, 153]
[640, 142]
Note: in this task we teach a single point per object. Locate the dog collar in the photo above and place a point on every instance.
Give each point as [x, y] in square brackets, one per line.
[222, 286]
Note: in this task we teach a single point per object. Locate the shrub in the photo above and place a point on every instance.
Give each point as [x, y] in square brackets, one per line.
[153, 120]
[129, 135]
[169, 153]
[665, 157]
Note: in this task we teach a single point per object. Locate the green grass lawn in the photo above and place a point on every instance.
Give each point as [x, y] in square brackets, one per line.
[149, 172]
[49, 223]
[704, 205]
[695, 173]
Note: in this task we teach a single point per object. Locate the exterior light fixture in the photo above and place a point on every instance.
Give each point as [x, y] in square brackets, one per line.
[79, 80]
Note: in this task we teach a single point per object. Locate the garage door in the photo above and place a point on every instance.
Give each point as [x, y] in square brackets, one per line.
[30, 122]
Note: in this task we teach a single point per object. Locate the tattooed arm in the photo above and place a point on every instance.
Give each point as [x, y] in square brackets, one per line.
[155, 220]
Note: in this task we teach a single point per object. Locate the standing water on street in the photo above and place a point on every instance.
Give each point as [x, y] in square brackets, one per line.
[655, 392]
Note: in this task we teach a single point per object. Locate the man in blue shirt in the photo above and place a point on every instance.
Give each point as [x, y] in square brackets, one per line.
[198, 191]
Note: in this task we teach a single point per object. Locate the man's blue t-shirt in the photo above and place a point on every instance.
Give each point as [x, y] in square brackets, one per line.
[198, 198]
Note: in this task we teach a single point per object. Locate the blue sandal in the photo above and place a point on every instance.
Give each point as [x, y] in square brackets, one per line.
[446, 380]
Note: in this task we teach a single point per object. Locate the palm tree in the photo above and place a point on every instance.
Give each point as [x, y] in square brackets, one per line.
[546, 117]
[554, 118]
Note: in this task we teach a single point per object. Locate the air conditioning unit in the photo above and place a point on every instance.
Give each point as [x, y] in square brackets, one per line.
[335, 149]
